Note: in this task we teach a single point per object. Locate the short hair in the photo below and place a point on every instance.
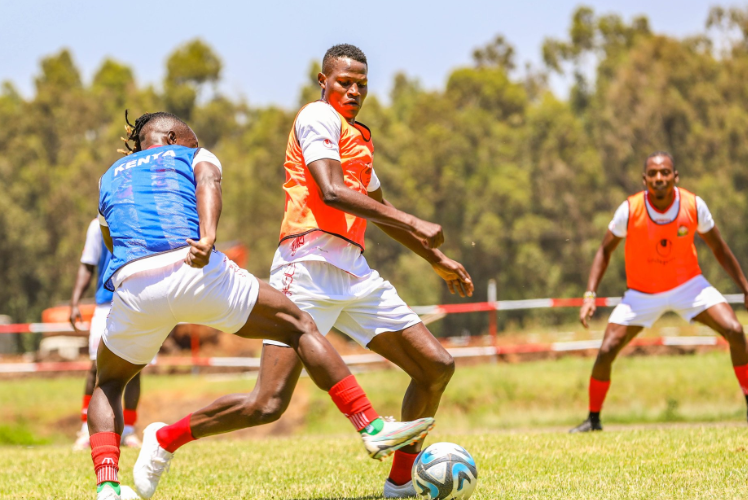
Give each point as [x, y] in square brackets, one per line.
[134, 131]
[340, 51]
[656, 154]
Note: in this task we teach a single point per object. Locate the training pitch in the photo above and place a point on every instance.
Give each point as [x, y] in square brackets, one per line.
[645, 463]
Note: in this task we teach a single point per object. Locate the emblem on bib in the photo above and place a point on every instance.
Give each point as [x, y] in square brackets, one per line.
[682, 231]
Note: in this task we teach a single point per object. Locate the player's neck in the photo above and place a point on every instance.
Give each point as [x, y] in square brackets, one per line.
[350, 121]
[664, 204]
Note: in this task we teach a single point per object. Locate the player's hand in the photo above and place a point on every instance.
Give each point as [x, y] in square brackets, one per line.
[75, 317]
[430, 233]
[587, 310]
[458, 280]
[199, 254]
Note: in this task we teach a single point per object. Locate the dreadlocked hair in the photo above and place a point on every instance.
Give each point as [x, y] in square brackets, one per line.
[132, 131]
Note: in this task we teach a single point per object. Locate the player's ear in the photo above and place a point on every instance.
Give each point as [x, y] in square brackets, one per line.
[171, 137]
[322, 80]
[677, 176]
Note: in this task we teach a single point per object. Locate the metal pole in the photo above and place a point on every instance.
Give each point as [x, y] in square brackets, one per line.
[492, 297]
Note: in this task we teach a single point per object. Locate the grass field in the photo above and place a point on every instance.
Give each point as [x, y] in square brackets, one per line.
[688, 439]
[656, 389]
[666, 463]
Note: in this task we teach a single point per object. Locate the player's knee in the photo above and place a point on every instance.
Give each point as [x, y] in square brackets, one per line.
[608, 352]
[734, 332]
[265, 410]
[440, 372]
[307, 324]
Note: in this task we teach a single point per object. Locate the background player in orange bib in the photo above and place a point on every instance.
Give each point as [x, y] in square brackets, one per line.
[662, 274]
[331, 192]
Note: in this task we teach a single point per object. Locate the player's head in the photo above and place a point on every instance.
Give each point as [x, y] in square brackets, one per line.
[344, 79]
[660, 176]
[157, 129]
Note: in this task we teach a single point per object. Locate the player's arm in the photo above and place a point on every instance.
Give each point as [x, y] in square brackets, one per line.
[457, 278]
[82, 281]
[328, 174]
[725, 257]
[209, 205]
[599, 266]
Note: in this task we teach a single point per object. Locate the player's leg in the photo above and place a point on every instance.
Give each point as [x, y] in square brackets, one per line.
[377, 318]
[96, 329]
[430, 367]
[280, 368]
[721, 318]
[82, 441]
[105, 418]
[139, 321]
[615, 339]
[131, 399]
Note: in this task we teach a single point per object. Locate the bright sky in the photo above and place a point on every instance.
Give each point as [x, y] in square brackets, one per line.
[266, 47]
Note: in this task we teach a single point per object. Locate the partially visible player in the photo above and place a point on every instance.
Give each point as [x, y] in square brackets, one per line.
[159, 211]
[662, 274]
[97, 256]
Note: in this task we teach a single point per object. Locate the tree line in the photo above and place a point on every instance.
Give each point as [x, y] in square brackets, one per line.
[523, 181]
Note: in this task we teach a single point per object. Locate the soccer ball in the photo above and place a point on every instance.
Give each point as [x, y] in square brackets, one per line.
[444, 471]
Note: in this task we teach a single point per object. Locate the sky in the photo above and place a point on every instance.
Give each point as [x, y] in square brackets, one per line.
[266, 47]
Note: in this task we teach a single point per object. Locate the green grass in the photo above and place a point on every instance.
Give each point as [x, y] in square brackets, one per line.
[656, 389]
[666, 463]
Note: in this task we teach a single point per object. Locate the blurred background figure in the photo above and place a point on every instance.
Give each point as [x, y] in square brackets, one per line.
[97, 256]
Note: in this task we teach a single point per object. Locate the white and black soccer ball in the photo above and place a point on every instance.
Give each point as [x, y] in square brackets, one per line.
[444, 471]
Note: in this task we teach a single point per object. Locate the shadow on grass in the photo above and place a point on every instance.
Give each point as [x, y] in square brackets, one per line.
[368, 497]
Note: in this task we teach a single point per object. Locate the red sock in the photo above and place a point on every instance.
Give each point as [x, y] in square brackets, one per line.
[598, 391]
[402, 465]
[105, 455]
[741, 372]
[352, 402]
[131, 416]
[84, 408]
[175, 435]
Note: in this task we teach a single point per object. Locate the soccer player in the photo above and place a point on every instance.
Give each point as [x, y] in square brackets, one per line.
[159, 211]
[331, 192]
[96, 255]
[662, 274]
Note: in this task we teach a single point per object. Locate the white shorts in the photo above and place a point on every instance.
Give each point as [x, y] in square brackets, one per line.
[98, 325]
[149, 304]
[362, 308]
[688, 300]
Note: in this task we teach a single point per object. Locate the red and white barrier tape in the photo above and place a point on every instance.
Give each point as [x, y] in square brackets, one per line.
[514, 305]
[500, 305]
[366, 359]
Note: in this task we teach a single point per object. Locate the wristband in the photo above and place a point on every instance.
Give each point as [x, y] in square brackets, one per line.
[589, 295]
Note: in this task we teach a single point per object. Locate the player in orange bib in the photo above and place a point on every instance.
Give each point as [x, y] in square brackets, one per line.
[332, 191]
[662, 274]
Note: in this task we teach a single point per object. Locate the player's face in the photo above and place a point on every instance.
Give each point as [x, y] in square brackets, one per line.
[346, 86]
[660, 177]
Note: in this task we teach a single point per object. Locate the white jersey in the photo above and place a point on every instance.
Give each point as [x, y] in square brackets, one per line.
[93, 247]
[318, 132]
[619, 225]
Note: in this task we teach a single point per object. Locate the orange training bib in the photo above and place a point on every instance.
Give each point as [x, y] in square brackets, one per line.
[305, 211]
[660, 257]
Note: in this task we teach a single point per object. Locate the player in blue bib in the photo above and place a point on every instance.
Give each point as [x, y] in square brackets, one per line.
[96, 257]
[159, 209]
